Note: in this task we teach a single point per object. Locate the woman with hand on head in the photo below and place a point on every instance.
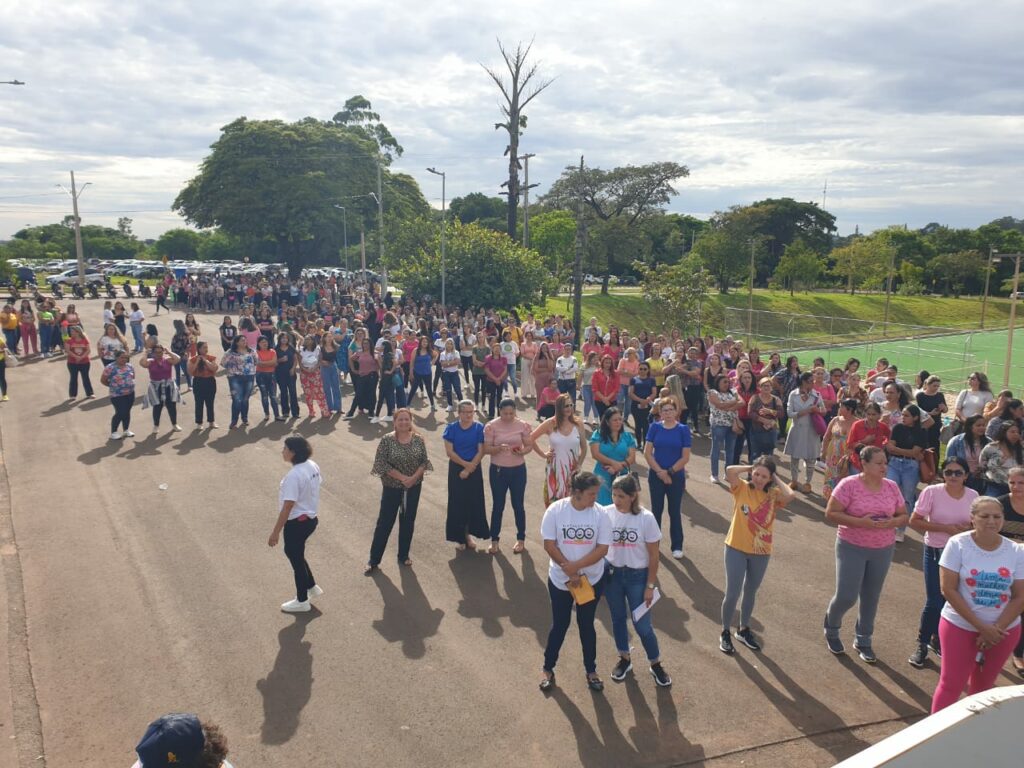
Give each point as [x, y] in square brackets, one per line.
[400, 463]
[466, 512]
[162, 392]
[667, 452]
[202, 368]
[567, 442]
[507, 442]
[982, 578]
[299, 498]
[577, 534]
[942, 511]
[868, 508]
[748, 544]
[631, 576]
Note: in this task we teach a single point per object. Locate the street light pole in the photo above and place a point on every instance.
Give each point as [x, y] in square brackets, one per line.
[988, 273]
[344, 224]
[380, 234]
[750, 300]
[436, 172]
[79, 253]
[1013, 316]
[888, 290]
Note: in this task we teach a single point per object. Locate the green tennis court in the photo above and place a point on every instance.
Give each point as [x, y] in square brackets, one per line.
[951, 356]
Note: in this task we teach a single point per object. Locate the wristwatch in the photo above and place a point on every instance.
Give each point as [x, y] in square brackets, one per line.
[651, 586]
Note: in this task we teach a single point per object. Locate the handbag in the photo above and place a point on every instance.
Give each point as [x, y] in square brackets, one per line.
[737, 426]
[397, 380]
[927, 466]
[818, 422]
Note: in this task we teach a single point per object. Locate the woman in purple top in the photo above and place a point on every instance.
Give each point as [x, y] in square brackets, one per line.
[495, 372]
[868, 508]
[162, 389]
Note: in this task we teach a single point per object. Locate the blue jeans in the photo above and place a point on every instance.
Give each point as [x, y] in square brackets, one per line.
[568, 387]
[624, 402]
[624, 591]
[721, 437]
[588, 401]
[45, 338]
[137, 336]
[241, 388]
[934, 601]
[12, 340]
[332, 387]
[508, 480]
[182, 368]
[762, 443]
[674, 492]
[906, 473]
[452, 386]
[268, 393]
[512, 377]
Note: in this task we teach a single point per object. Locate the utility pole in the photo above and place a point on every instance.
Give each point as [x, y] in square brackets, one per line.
[344, 224]
[444, 217]
[362, 253]
[988, 273]
[79, 254]
[1013, 312]
[750, 299]
[888, 290]
[380, 234]
[526, 197]
[577, 273]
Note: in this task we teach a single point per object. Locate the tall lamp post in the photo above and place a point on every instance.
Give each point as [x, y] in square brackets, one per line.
[344, 224]
[1013, 311]
[80, 255]
[436, 172]
[988, 273]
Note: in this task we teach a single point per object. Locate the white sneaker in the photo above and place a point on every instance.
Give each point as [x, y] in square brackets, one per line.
[449, 409]
[713, 480]
[128, 433]
[294, 606]
[314, 591]
[387, 419]
[375, 420]
[900, 536]
[115, 435]
[677, 554]
[175, 428]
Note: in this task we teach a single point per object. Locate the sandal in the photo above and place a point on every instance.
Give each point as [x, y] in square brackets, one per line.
[470, 543]
[407, 562]
[519, 548]
[595, 683]
[370, 569]
[548, 682]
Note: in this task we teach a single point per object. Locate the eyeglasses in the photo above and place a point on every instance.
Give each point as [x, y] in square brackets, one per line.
[952, 473]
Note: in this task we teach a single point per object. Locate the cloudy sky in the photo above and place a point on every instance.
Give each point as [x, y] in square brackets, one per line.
[912, 111]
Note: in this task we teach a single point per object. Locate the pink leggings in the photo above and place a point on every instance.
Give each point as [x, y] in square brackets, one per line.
[28, 334]
[959, 649]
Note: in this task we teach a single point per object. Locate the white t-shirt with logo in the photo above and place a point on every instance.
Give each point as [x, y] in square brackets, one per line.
[985, 577]
[302, 486]
[510, 351]
[577, 532]
[630, 536]
[566, 368]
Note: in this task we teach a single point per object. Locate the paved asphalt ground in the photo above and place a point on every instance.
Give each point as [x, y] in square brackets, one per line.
[141, 601]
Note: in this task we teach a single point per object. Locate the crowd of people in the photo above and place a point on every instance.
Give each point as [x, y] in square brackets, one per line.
[591, 402]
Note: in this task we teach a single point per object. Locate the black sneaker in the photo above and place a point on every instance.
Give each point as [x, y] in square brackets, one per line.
[747, 638]
[660, 675]
[835, 645]
[621, 669]
[933, 646]
[918, 657]
[866, 654]
[725, 644]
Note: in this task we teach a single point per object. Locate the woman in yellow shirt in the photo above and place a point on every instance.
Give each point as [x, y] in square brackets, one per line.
[748, 545]
[9, 323]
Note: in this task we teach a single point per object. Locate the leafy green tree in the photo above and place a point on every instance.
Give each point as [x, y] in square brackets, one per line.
[863, 263]
[677, 289]
[520, 89]
[359, 117]
[483, 268]
[178, 244]
[726, 253]
[267, 179]
[799, 268]
[553, 236]
[625, 195]
[219, 246]
[781, 221]
[487, 211]
[955, 270]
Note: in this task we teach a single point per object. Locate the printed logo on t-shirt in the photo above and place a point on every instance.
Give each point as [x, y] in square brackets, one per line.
[625, 537]
[990, 588]
[578, 534]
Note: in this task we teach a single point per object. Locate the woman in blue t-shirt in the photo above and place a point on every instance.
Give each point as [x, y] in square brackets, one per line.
[667, 452]
[464, 444]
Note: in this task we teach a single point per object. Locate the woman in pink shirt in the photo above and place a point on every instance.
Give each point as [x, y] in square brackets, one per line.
[78, 349]
[507, 442]
[605, 385]
[627, 368]
[868, 508]
[495, 374]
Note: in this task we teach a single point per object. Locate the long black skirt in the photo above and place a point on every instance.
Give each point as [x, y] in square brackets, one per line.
[467, 510]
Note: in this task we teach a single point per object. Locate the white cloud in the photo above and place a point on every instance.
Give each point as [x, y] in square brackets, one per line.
[913, 112]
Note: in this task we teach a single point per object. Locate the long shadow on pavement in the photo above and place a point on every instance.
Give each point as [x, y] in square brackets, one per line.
[528, 603]
[477, 581]
[288, 687]
[707, 598]
[100, 452]
[808, 715]
[408, 617]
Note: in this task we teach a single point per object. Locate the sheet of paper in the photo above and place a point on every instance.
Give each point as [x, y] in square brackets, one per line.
[640, 610]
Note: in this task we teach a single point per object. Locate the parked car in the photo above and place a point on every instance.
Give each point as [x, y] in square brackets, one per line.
[627, 280]
[67, 277]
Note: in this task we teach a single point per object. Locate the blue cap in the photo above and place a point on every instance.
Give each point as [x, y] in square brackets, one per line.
[172, 740]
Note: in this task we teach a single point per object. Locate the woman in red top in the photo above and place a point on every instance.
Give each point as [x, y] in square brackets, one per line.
[78, 349]
[605, 385]
[870, 430]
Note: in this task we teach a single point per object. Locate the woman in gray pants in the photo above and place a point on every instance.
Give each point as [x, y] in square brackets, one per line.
[868, 508]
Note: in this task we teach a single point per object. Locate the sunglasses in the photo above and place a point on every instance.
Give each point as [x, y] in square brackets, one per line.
[952, 473]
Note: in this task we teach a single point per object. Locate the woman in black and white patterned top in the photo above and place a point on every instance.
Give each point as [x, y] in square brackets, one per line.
[400, 463]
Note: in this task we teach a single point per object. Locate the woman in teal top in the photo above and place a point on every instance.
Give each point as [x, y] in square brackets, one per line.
[614, 449]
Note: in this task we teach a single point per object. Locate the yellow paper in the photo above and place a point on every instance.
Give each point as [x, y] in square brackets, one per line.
[583, 593]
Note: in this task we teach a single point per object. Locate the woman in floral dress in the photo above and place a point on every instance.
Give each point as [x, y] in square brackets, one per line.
[567, 441]
[833, 446]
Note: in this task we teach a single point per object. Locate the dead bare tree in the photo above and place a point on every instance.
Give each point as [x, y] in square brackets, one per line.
[519, 92]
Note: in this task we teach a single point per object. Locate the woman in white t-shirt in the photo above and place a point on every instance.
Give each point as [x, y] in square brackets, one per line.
[982, 576]
[941, 511]
[631, 573]
[576, 534]
[450, 362]
[299, 498]
[972, 401]
[567, 368]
